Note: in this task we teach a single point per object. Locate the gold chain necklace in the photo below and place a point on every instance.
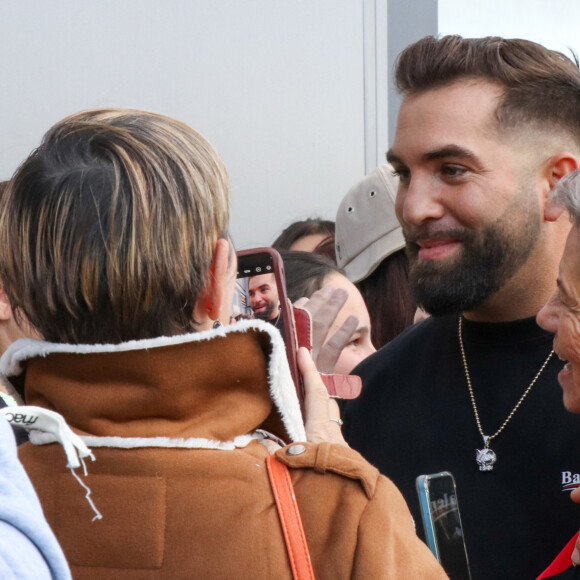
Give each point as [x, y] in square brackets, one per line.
[486, 457]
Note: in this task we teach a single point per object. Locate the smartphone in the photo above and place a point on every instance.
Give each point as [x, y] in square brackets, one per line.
[261, 293]
[442, 523]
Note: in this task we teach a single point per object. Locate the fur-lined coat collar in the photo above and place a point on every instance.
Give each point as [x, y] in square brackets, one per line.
[216, 384]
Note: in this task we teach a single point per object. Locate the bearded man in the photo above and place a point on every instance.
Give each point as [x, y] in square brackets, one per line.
[486, 129]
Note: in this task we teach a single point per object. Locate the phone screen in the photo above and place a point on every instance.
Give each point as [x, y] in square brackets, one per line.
[440, 510]
[257, 294]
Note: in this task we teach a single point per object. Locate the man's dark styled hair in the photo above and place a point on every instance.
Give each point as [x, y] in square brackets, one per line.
[541, 86]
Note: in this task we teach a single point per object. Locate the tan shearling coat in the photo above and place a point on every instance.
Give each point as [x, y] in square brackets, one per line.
[180, 476]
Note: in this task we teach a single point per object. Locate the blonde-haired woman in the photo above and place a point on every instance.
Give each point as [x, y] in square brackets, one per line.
[114, 245]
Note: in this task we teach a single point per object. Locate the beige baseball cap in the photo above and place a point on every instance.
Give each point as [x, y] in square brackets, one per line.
[367, 229]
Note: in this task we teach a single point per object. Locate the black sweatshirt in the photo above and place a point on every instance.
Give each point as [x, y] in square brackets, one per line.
[414, 417]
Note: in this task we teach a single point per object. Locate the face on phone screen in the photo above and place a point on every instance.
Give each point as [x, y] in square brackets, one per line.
[257, 294]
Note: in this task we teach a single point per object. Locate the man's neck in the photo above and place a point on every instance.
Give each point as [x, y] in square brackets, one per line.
[497, 310]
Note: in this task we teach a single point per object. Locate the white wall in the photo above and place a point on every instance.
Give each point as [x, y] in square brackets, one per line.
[293, 93]
[408, 21]
[553, 23]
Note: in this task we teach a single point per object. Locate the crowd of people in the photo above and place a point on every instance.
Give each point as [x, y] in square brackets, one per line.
[156, 424]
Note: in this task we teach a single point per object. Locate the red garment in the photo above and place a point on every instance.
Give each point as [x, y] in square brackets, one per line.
[562, 562]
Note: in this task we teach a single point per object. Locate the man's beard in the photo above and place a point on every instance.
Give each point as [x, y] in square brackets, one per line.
[268, 313]
[484, 264]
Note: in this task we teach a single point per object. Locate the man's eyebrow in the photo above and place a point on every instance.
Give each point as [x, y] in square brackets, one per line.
[443, 152]
[449, 151]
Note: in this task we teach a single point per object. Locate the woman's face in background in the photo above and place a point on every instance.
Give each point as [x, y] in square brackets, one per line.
[360, 345]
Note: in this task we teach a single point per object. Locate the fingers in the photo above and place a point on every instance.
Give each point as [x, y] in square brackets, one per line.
[319, 407]
[316, 394]
[324, 306]
[330, 351]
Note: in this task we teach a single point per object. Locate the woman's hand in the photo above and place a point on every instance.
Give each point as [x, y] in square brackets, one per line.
[322, 413]
[322, 420]
[323, 306]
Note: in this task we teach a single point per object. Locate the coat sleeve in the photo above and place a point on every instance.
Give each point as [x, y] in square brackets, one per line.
[387, 544]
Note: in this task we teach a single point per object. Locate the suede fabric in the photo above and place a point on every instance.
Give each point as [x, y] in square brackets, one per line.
[172, 513]
[170, 392]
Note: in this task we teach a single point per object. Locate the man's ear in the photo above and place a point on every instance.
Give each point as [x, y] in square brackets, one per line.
[209, 303]
[5, 308]
[557, 167]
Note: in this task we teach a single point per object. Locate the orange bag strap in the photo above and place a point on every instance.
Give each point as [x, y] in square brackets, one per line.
[290, 518]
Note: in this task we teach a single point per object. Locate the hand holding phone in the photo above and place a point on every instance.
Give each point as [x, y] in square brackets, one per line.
[261, 293]
[319, 408]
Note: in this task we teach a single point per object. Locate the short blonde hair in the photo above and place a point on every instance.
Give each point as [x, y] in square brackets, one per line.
[107, 230]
